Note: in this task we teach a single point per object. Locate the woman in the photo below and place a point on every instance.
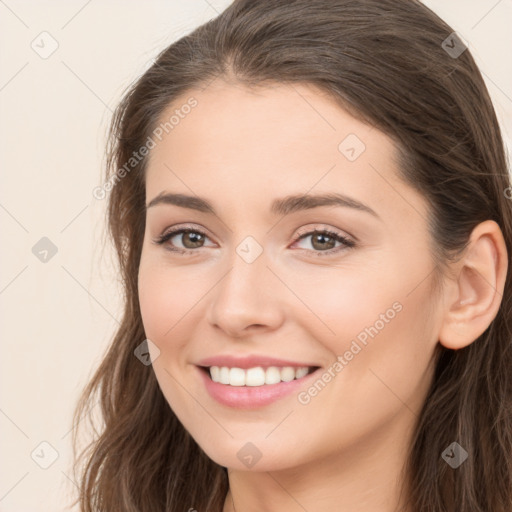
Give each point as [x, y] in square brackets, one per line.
[309, 204]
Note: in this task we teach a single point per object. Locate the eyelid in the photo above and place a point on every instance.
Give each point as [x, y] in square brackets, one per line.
[302, 231]
[324, 227]
[179, 227]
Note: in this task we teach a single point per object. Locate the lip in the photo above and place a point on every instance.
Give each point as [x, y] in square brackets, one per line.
[252, 397]
[250, 362]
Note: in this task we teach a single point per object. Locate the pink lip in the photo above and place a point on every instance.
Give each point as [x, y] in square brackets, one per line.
[252, 397]
[249, 362]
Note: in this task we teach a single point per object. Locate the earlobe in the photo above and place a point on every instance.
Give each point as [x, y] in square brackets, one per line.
[473, 298]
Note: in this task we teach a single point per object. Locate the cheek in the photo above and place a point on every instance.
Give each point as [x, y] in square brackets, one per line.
[388, 353]
[155, 302]
[380, 364]
[165, 297]
[385, 296]
[337, 305]
[378, 324]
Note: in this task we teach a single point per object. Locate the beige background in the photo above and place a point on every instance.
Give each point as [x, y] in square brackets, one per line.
[57, 316]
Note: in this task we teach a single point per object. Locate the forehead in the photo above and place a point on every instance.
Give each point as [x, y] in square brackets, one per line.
[242, 145]
[273, 117]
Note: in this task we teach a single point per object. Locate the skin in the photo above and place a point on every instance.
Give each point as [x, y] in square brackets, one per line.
[240, 149]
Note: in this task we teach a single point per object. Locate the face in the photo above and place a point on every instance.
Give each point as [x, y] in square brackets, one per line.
[343, 285]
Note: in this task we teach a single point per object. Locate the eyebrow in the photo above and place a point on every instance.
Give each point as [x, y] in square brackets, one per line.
[283, 206]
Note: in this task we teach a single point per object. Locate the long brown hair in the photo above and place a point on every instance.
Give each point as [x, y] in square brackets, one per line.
[390, 63]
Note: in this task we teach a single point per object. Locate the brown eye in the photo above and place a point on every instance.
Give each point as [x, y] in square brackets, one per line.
[185, 240]
[191, 239]
[322, 241]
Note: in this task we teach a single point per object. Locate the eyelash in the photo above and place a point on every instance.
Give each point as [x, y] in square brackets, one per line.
[349, 244]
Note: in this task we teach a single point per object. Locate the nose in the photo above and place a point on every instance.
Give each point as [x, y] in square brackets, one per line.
[248, 298]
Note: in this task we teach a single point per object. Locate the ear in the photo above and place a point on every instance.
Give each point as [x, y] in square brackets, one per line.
[473, 298]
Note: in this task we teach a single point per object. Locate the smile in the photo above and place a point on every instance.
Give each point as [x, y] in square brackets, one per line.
[255, 387]
[257, 376]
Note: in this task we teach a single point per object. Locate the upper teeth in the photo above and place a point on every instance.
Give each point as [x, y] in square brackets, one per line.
[257, 376]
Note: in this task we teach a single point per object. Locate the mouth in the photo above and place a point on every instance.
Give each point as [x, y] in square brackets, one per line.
[256, 376]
